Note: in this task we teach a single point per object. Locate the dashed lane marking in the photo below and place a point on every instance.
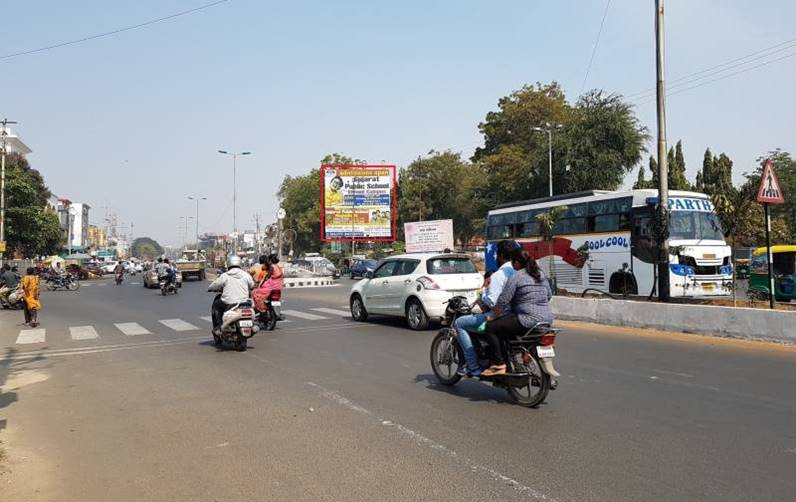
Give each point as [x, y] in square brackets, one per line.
[343, 313]
[206, 318]
[303, 315]
[31, 336]
[83, 332]
[178, 324]
[132, 329]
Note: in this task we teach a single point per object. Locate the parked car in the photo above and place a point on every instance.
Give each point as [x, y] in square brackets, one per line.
[151, 279]
[360, 268]
[415, 286]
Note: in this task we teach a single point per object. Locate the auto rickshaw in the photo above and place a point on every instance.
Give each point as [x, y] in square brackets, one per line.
[783, 271]
[742, 267]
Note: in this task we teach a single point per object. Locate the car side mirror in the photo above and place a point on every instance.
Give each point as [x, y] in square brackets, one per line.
[368, 275]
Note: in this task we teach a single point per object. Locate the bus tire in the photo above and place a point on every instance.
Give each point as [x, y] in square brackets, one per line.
[623, 283]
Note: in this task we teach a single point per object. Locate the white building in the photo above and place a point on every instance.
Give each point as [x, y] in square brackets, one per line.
[73, 218]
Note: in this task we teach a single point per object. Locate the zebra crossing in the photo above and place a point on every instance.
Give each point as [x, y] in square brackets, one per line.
[32, 336]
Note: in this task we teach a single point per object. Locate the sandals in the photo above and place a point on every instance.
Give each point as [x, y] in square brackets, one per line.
[494, 370]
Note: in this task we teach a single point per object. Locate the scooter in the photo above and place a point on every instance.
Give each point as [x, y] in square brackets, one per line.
[14, 300]
[237, 326]
[167, 287]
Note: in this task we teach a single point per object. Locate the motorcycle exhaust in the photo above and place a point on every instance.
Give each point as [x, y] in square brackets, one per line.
[547, 366]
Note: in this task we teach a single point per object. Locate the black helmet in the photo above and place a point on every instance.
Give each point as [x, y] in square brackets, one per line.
[459, 305]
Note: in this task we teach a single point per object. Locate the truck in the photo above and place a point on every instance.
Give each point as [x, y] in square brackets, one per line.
[191, 264]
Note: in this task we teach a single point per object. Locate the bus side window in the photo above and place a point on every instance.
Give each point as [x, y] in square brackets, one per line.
[642, 226]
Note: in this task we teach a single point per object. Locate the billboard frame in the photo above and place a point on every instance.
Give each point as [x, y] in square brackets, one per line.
[393, 223]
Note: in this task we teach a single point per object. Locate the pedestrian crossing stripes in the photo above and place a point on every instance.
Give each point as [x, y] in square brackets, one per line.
[31, 336]
[91, 332]
[178, 324]
[344, 313]
[132, 329]
[303, 315]
[83, 332]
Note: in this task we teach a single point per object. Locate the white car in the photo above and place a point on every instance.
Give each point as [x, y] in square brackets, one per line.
[415, 286]
[108, 266]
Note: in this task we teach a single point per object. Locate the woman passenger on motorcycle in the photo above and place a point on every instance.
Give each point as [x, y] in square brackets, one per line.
[527, 294]
[271, 281]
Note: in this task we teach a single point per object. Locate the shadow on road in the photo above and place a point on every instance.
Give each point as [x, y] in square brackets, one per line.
[473, 390]
[8, 367]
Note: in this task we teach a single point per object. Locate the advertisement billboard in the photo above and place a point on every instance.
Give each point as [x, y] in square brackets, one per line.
[428, 236]
[357, 203]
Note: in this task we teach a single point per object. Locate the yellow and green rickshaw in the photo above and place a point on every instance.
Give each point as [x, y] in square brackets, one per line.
[783, 271]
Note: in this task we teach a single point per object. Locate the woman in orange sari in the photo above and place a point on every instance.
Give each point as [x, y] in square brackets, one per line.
[30, 289]
[271, 281]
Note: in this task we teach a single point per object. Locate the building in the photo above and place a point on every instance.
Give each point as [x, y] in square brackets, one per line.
[96, 237]
[73, 218]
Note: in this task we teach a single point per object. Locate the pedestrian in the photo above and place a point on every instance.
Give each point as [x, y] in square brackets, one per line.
[30, 288]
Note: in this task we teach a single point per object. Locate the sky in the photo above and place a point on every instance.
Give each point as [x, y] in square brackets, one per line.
[133, 121]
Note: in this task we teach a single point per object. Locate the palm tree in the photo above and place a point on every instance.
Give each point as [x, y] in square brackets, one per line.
[547, 223]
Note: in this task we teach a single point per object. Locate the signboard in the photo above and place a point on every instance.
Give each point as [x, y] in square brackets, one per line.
[2, 246]
[357, 203]
[427, 236]
[769, 191]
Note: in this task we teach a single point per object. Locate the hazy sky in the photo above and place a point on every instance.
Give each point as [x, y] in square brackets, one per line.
[134, 120]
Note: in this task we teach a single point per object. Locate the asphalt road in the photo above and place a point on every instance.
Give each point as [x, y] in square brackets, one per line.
[328, 409]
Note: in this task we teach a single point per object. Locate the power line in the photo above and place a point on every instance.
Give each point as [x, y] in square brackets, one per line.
[678, 91]
[723, 67]
[596, 44]
[113, 32]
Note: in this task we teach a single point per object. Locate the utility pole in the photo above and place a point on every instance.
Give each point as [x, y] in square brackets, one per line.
[663, 168]
[197, 199]
[548, 128]
[234, 191]
[257, 234]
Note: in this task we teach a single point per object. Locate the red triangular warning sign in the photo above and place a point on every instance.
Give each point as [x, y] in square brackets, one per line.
[769, 191]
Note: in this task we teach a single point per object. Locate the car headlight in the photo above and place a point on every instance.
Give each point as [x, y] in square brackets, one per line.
[681, 270]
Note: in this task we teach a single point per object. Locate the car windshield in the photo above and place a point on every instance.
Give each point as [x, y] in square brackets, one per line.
[455, 265]
[369, 263]
[693, 225]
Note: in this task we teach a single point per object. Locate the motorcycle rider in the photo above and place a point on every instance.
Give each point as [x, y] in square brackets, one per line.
[162, 269]
[234, 286]
[506, 250]
[8, 283]
[118, 270]
[171, 272]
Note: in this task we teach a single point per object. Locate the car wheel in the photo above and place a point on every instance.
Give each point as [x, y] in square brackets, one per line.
[358, 311]
[416, 316]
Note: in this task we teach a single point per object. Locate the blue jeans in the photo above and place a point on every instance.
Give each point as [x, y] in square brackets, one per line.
[461, 325]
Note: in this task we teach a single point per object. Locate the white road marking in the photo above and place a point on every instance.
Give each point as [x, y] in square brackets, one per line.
[424, 441]
[83, 332]
[177, 324]
[135, 283]
[303, 315]
[344, 313]
[102, 284]
[31, 336]
[132, 328]
[206, 318]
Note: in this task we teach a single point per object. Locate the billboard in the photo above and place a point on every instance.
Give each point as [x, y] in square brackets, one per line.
[428, 236]
[357, 203]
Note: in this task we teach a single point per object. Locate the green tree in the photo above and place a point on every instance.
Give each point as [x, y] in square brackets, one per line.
[716, 174]
[641, 181]
[442, 186]
[32, 228]
[676, 165]
[146, 248]
[785, 166]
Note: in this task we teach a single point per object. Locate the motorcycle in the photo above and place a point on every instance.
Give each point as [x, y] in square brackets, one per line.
[237, 326]
[119, 278]
[14, 300]
[66, 281]
[530, 374]
[167, 287]
[266, 320]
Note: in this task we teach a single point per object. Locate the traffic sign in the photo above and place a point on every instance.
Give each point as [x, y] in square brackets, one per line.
[2, 246]
[769, 191]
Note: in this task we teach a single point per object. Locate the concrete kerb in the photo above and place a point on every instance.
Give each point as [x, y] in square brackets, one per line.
[744, 323]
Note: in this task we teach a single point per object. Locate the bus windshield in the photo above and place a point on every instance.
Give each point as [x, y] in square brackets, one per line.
[695, 225]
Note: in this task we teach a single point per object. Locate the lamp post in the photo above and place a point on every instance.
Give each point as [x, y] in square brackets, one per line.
[234, 189]
[197, 199]
[13, 141]
[185, 219]
[548, 128]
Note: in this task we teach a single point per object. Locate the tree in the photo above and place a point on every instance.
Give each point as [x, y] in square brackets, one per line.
[146, 248]
[716, 174]
[598, 144]
[442, 186]
[32, 227]
[785, 166]
[676, 165]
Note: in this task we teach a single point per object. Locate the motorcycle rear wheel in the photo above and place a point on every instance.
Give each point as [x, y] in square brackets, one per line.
[527, 396]
[73, 285]
[51, 285]
[240, 345]
[270, 323]
[446, 356]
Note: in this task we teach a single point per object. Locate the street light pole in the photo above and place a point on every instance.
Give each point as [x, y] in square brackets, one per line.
[234, 191]
[548, 128]
[197, 199]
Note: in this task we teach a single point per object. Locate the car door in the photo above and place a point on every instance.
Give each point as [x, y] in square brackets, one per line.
[398, 284]
[375, 290]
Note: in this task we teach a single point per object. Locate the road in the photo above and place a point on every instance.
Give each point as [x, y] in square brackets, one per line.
[327, 409]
